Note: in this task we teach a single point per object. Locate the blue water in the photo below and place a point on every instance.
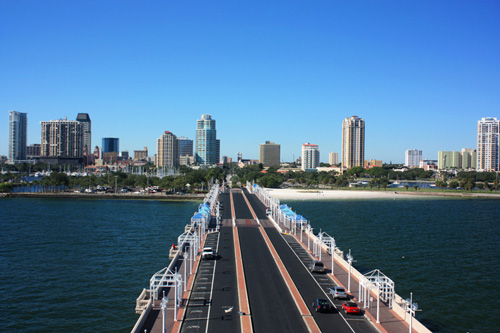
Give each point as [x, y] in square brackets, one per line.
[445, 251]
[79, 265]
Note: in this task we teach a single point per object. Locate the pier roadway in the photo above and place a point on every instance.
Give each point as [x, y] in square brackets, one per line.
[272, 307]
[310, 286]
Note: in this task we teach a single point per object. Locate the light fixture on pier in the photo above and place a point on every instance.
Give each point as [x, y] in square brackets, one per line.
[163, 305]
[411, 308]
[350, 260]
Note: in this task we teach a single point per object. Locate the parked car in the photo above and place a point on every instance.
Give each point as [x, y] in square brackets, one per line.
[207, 253]
[351, 307]
[317, 267]
[338, 292]
[322, 305]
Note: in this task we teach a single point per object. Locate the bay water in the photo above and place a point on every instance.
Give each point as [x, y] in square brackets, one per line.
[79, 265]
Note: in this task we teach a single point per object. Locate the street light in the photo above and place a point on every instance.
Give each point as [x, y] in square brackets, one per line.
[411, 308]
[350, 259]
[163, 305]
[185, 255]
[116, 184]
[332, 252]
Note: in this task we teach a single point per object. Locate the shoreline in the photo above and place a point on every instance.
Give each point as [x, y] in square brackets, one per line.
[331, 194]
[121, 196]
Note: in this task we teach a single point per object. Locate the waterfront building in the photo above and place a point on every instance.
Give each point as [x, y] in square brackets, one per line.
[449, 160]
[469, 158]
[33, 151]
[167, 151]
[185, 151]
[18, 135]
[61, 141]
[373, 163]
[428, 165]
[110, 145]
[269, 154]
[333, 158]
[413, 158]
[310, 156]
[207, 149]
[84, 118]
[487, 144]
[353, 142]
[141, 154]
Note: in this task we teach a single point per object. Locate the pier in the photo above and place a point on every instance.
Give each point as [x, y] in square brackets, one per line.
[259, 280]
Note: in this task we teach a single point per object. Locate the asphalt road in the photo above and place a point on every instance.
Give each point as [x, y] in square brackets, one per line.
[311, 286]
[272, 307]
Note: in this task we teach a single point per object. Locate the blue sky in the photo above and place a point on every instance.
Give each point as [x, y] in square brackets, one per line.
[421, 73]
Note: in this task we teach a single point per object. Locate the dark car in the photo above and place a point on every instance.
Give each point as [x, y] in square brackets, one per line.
[322, 305]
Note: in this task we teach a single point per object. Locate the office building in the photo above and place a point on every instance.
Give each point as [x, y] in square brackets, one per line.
[110, 145]
[18, 135]
[269, 154]
[353, 142]
[449, 160]
[167, 151]
[62, 141]
[310, 156]
[207, 150]
[413, 158]
[84, 118]
[333, 158]
[487, 144]
[469, 158]
[186, 156]
[141, 155]
[33, 151]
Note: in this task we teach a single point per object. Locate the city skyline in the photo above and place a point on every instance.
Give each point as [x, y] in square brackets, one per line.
[415, 72]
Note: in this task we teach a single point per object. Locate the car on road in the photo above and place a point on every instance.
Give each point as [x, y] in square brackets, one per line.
[207, 253]
[351, 307]
[268, 211]
[317, 267]
[338, 292]
[322, 305]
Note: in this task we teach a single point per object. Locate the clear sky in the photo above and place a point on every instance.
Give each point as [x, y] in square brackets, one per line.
[421, 73]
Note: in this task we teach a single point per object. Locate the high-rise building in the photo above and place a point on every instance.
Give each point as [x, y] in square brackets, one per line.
[167, 151]
[207, 149]
[33, 151]
[185, 151]
[333, 158]
[62, 139]
[413, 158]
[310, 156]
[469, 158]
[110, 145]
[18, 134]
[353, 142]
[487, 144]
[449, 160]
[269, 154]
[84, 118]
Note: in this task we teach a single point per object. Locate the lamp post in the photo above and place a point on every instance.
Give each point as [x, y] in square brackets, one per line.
[116, 184]
[411, 308]
[332, 252]
[163, 305]
[185, 255]
[320, 243]
[350, 259]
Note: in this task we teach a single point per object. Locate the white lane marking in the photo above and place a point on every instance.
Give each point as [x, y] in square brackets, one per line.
[318, 284]
[212, 289]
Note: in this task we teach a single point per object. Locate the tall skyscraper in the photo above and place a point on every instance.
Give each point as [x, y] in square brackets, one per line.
[167, 151]
[269, 154]
[18, 134]
[353, 142]
[84, 118]
[110, 145]
[449, 160]
[487, 144]
[206, 141]
[333, 158]
[310, 156]
[413, 158]
[62, 139]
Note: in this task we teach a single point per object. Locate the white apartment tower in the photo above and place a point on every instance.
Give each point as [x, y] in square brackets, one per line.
[353, 142]
[413, 158]
[207, 147]
[18, 133]
[333, 158]
[62, 138]
[167, 151]
[310, 156]
[487, 144]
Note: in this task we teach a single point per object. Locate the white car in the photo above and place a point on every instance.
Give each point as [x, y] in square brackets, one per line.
[338, 292]
[207, 253]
